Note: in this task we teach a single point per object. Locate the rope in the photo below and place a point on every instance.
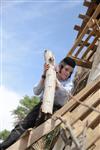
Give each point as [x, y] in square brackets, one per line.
[70, 130]
[68, 136]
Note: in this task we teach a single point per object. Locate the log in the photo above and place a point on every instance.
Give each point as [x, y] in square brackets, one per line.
[50, 83]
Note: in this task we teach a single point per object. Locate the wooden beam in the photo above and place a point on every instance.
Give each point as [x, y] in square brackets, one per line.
[97, 143]
[21, 144]
[90, 101]
[79, 39]
[92, 136]
[78, 128]
[84, 43]
[85, 19]
[91, 9]
[86, 40]
[96, 33]
[92, 33]
[91, 118]
[78, 28]
[89, 13]
[84, 16]
[87, 3]
[90, 47]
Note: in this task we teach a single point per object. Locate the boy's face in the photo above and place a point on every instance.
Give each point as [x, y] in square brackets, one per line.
[66, 72]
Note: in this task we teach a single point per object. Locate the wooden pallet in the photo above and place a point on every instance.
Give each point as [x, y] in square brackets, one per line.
[85, 44]
[73, 112]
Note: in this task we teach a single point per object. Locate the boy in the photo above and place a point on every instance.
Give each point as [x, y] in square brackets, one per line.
[64, 87]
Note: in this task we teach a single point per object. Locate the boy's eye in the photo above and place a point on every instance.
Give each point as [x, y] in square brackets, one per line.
[66, 69]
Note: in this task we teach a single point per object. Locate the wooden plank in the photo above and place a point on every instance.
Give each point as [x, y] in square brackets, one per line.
[97, 143]
[87, 3]
[91, 5]
[78, 128]
[78, 40]
[96, 33]
[79, 111]
[92, 117]
[84, 16]
[92, 147]
[92, 137]
[86, 40]
[79, 125]
[84, 43]
[88, 14]
[21, 144]
[79, 28]
[82, 63]
[90, 47]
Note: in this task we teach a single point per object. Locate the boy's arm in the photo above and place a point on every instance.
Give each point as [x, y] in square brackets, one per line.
[39, 87]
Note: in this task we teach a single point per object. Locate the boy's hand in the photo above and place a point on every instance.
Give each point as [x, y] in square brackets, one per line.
[46, 67]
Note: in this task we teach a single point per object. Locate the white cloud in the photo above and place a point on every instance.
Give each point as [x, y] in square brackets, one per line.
[8, 102]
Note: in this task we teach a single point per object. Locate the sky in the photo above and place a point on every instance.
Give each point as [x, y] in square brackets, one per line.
[27, 28]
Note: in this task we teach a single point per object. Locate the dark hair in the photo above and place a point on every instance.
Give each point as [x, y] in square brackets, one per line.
[69, 61]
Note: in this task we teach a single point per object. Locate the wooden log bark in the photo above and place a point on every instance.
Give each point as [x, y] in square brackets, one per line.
[50, 83]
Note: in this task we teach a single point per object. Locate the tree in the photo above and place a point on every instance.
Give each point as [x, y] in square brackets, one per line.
[25, 106]
[4, 134]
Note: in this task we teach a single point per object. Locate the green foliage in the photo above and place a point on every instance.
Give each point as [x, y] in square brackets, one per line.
[4, 134]
[49, 138]
[25, 106]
